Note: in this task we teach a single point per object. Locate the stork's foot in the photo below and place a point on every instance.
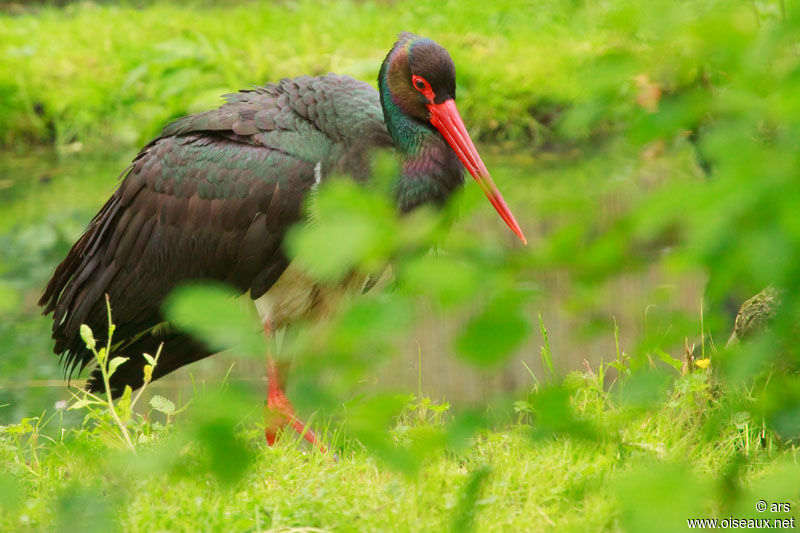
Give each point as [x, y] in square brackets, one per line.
[280, 414]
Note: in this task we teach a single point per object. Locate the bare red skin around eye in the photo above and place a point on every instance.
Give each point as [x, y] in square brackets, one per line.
[426, 90]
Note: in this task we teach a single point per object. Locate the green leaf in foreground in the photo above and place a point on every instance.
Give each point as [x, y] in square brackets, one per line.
[10, 492]
[495, 333]
[350, 226]
[83, 507]
[368, 420]
[644, 389]
[451, 281]
[660, 497]
[217, 315]
[555, 415]
[464, 519]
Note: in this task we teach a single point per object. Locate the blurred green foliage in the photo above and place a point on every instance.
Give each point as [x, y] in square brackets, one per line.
[212, 313]
[653, 504]
[646, 135]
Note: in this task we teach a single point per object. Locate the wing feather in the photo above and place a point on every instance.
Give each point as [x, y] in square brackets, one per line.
[211, 198]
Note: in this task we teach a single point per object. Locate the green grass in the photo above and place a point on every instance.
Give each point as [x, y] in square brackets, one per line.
[640, 469]
[646, 452]
[140, 67]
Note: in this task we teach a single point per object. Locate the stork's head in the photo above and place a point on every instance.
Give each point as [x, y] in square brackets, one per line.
[420, 78]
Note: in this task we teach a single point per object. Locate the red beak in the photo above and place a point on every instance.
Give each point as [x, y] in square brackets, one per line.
[446, 119]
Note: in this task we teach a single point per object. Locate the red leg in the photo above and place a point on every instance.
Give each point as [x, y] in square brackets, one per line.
[279, 412]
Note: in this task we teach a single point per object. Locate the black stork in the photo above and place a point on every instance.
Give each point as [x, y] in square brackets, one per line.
[213, 196]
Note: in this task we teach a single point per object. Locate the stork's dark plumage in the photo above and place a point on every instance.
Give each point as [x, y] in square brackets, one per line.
[213, 197]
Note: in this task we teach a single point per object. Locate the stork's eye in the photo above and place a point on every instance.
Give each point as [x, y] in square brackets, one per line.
[422, 85]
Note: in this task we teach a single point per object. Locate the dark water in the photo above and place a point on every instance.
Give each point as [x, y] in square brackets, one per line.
[46, 199]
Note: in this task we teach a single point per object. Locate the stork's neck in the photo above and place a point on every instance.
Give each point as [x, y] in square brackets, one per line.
[429, 175]
[430, 169]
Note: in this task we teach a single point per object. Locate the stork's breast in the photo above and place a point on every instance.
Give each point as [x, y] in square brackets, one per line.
[296, 296]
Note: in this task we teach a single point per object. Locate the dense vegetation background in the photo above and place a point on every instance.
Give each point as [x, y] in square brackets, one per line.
[654, 141]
